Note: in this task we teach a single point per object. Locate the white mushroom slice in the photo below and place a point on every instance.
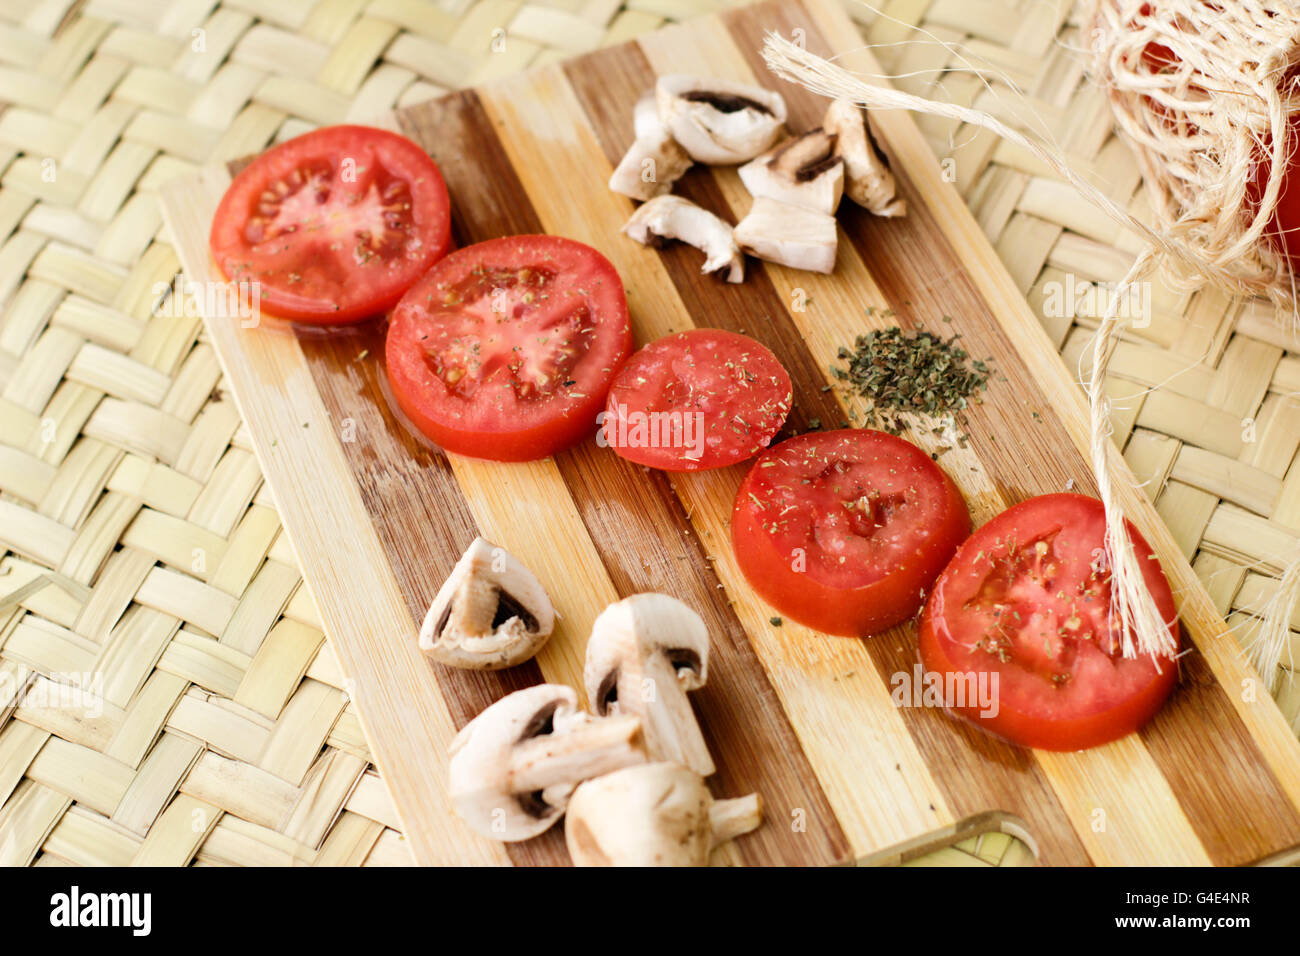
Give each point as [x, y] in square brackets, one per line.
[650, 167]
[490, 613]
[672, 217]
[514, 766]
[870, 183]
[645, 117]
[657, 814]
[718, 121]
[802, 171]
[644, 654]
[791, 235]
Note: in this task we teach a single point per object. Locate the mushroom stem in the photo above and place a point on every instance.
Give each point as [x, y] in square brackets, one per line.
[591, 749]
[729, 819]
[672, 733]
[657, 814]
[645, 653]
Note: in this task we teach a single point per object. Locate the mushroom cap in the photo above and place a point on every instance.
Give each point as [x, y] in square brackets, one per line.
[514, 766]
[718, 121]
[655, 814]
[490, 613]
[481, 772]
[637, 627]
[644, 654]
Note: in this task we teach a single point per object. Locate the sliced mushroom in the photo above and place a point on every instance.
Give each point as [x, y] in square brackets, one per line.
[794, 236]
[514, 766]
[802, 171]
[870, 183]
[644, 654]
[672, 217]
[657, 814]
[490, 613]
[650, 167]
[719, 121]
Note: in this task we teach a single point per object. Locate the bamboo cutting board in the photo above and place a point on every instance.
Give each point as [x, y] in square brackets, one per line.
[378, 518]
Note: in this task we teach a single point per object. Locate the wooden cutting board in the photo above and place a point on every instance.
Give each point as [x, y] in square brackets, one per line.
[378, 518]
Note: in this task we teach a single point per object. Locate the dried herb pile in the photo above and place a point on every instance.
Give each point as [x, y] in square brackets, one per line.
[914, 373]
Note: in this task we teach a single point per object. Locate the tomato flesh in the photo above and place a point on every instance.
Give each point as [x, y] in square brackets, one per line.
[1028, 598]
[698, 399]
[335, 225]
[505, 349]
[844, 530]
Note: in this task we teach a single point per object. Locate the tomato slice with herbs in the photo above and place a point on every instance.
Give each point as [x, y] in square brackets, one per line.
[505, 349]
[334, 225]
[695, 400]
[844, 530]
[1028, 598]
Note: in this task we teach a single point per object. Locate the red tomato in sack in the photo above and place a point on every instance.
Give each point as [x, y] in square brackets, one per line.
[1283, 229]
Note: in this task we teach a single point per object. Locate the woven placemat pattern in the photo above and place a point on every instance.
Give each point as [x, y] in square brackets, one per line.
[166, 693]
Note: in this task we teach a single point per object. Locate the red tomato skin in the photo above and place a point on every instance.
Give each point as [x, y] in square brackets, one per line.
[851, 612]
[514, 442]
[431, 211]
[523, 445]
[765, 364]
[1018, 727]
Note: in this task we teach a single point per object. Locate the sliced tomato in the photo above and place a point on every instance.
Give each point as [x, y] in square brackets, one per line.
[505, 349]
[698, 399]
[844, 530]
[1028, 599]
[334, 225]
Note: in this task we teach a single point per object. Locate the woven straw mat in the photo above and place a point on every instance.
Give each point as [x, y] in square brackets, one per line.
[142, 553]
